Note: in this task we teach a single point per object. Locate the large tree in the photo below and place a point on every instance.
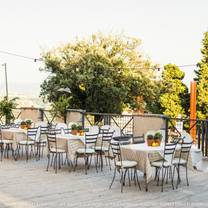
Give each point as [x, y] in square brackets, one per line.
[174, 93]
[104, 74]
[202, 81]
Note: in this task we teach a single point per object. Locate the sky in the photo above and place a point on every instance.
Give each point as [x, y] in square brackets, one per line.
[170, 30]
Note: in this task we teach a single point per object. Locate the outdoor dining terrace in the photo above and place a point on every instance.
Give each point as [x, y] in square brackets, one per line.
[77, 176]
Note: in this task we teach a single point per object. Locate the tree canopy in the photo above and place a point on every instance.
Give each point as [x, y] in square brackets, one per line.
[202, 81]
[174, 93]
[104, 73]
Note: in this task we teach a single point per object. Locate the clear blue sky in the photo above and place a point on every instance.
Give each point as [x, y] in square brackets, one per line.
[170, 30]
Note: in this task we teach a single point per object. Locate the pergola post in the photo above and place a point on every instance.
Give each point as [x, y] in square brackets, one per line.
[193, 110]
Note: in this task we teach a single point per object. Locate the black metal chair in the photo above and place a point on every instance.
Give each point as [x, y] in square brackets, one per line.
[123, 166]
[104, 148]
[138, 139]
[87, 151]
[67, 131]
[29, 143]
[165, 164]
[55, 154]
[182, 160]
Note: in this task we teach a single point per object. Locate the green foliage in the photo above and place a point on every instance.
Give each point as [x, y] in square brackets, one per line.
[202, 81]
[6, 107]
[104, 73]
[60, 105]
[28, 122]
[79, 127]
[150, 137]
[74, 127]
[23, 123]
[174, 93]
[158, 135]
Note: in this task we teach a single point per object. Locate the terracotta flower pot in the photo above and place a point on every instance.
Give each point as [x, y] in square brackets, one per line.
[158, 141]
[150, 141]
[22, 126]
[74, 132]
[29, 126]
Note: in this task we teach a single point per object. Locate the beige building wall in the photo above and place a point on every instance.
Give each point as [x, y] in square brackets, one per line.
[30, 113]
[144, 124]
[74, 116]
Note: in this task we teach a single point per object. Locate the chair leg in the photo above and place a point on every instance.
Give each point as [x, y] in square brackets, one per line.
[109, 160]
[156, 170]
[27, 152]
[86, 164]
[158, 176]
[124, 176]
[178, 179]
[163, 175]
[135, 171]
[187, 182]
[75, 163]
[48, 161]
[114, 175]
[129, 178]
[171, 175]
[96, 163]
[122, 180]
[59, 161]
[2, 151]
[167, 173]
[56, 162]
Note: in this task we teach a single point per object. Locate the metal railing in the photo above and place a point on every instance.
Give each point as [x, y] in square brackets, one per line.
[126, 123]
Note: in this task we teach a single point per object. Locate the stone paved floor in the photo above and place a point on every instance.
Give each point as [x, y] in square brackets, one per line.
[28, 185]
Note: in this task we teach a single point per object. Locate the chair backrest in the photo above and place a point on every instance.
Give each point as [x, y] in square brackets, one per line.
[187, 137]
[41, 123]
[116, 150]
[117, 131]
[169, 151]
[32, 133]
[5, 126]
[61, 126]
[106, 138]
[93, 129]
[67, 131]
[104, 128]
[52, 142]
[38, 135]
[185, 150]
[138, 139]
[56, 131]
[90, 140]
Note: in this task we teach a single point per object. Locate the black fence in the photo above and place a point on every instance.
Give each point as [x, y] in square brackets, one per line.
[126, 123]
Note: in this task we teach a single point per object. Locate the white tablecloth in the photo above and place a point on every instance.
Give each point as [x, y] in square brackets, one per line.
[15, 134]
[70, 143]
[144, 155]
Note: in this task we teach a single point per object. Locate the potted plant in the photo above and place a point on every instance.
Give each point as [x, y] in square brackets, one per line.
[150, 139]
[28, 123]
[80, 130]
[158, 138]
[6, 108]
[74, 129]
[23, 125]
